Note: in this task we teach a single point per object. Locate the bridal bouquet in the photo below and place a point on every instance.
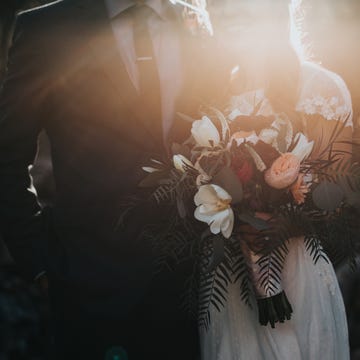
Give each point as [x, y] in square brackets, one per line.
[238, 190]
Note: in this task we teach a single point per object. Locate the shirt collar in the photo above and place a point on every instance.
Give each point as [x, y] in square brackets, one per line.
[116, 7]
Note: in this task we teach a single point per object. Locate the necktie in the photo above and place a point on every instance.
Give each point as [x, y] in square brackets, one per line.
[149, 85]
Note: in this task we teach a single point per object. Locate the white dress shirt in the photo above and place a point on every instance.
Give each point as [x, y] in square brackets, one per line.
[167, 50]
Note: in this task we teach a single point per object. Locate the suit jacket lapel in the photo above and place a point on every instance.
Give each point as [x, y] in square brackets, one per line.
[103, 46]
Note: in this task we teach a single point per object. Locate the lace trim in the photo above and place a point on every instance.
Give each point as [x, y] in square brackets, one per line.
[329, 108]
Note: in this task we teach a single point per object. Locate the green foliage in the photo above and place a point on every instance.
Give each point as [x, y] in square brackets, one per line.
[341, 236]
[271, 266]
[213, 288]
[314, 247]
[215, 281]
[347, 174]
[327, 195]
[241, 272]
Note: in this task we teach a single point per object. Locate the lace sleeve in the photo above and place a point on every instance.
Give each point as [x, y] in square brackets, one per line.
[324, 92]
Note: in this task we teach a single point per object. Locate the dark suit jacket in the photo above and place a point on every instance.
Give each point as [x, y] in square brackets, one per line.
[65, 76]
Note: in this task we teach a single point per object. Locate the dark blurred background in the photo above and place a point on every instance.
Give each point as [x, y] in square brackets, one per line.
[332, 33]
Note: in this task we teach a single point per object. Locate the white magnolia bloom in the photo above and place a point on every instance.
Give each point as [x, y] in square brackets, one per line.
[205, 131]
[213, 207]
[244, 136]
[181, 162]
[150, 169]
[303, 147]
[269, 136]
[234, 114]
[203, 178]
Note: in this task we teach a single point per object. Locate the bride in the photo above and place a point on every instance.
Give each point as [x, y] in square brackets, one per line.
[272, 77]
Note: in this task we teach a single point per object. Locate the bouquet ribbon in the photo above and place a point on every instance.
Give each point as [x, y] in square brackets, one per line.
[273, 304]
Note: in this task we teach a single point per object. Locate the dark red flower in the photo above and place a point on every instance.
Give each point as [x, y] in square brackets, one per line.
[245, 172]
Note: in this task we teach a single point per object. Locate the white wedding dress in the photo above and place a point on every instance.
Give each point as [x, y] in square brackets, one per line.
[318, 328]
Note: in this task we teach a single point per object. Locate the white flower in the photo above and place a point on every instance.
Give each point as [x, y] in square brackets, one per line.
[268, 136]
[234, 114]
[303, 147]
[213, 207]
[149, 169]
[241, 136]
[181, 162]
[203, 178]
[205, 131]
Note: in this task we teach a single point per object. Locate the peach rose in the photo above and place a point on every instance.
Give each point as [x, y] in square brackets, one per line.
[283, 171]
[299, 190]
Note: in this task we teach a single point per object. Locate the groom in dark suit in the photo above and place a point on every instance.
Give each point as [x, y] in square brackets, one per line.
[104, 79]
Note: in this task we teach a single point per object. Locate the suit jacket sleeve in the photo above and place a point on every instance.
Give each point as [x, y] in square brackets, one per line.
[22, 99]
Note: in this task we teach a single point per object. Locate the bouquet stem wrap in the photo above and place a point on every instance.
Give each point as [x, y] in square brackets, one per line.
[273, 304]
